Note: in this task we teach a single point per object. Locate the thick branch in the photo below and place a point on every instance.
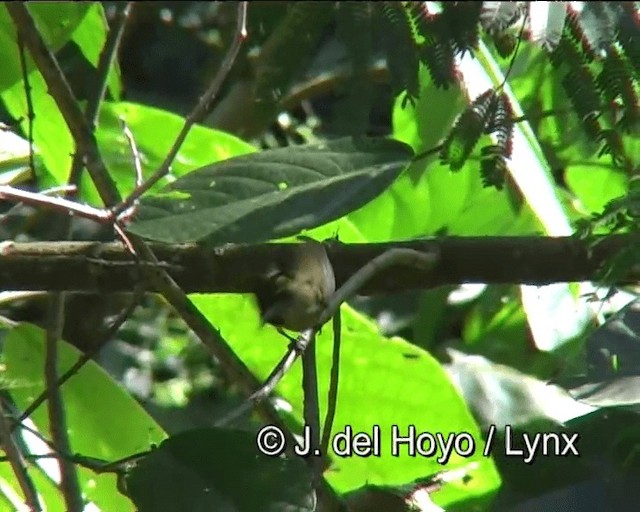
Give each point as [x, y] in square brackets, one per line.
[95, 267]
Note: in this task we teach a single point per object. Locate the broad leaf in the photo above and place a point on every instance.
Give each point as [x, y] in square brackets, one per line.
[384, 382]
[606, 373]
[155, 131]
[272, 194]
[218, 469]
[103, 420]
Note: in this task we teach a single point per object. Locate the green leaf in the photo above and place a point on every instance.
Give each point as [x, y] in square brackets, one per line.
[48, 491]
[103, 420]
[605, 371]
[154, 131]
[216, 469]
[90, 36]
[383, 381]
[273, 194]
[56, 22]
[51, 137]
[595, 184]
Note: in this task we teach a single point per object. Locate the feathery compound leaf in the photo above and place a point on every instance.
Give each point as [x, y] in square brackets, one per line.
[616, 82]
[629, 35]
[467, 130]
[272, 194]
[493, 157]
[612, 145]
[579, 85]
[501, 123]
[401, 49]
[462, 20]
[499, 16]
[546, 21]
[492, 166]
[594, 27]
[435, 50]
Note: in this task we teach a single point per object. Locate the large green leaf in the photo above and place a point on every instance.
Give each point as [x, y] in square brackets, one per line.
[90, 36]
[155, 131]
[51, 137]
[103, 420]
[272, 194]
[219, 469]
[56, 22]
[383, 381]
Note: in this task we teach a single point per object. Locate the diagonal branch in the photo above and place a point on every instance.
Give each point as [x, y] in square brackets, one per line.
[69, 484]
[16, 459]
[61, 92]
[107, 58]
[197, 113]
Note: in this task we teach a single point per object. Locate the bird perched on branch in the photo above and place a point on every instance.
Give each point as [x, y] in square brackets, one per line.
[296, 287]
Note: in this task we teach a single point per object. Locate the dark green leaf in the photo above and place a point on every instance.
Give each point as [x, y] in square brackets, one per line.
[218, 469]
[606, 373]
[272, 194]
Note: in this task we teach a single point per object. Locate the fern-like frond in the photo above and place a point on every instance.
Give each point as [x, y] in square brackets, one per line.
[579, 85]
[617, 85]
[401, 48]
[629, 35]
[462, 19]
[493, 166]
[467, 130]
[612, 145]
[497, 17]
[493, 157]
[594, 27]
[436, 50]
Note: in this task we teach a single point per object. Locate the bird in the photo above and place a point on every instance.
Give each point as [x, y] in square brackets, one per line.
[296, 287]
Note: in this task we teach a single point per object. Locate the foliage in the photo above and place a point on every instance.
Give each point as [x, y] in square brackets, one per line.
[568, 101]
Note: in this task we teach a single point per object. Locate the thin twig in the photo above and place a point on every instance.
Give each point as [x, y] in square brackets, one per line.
[53, 191]
[332, 395]
[105, 62]
[279, 371]
[55, 203]
[92, 463]
[311, 407]
[27, 94]
[87, 356]
[37, 434]
[197, 113]
[348, 289]
[69, 484]
[16, 459]
[427, 152]
[135, 154]
[515, 51]
[410, 257]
